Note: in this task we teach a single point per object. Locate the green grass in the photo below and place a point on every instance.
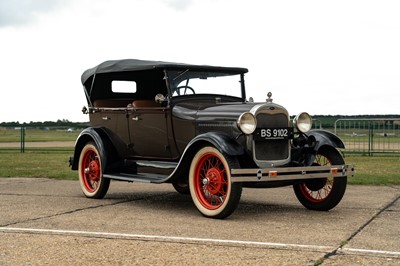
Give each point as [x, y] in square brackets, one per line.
[51, 164]
[376, 170]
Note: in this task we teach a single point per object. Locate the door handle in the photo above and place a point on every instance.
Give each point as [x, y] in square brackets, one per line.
[106, 118]
[136, 118]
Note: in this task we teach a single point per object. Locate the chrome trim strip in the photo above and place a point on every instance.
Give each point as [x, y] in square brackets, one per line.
[290, 173]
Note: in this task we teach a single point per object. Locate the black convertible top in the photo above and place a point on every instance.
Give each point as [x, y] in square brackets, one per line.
[123, 65]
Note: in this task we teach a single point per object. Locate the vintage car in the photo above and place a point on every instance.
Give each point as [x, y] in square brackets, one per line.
[192, 126]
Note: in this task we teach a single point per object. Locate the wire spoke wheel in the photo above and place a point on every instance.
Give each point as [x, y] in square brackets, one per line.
[93, 184]
[325, 193]
[210, 183]
[91, 170]
[318, 190]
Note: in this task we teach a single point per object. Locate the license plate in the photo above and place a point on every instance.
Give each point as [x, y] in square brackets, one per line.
[273, 133]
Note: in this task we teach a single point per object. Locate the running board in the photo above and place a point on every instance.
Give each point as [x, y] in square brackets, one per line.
[157, 164]
[143, 178]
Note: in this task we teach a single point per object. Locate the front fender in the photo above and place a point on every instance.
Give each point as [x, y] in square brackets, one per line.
[223, 142]
[99, 137]
[323, 138]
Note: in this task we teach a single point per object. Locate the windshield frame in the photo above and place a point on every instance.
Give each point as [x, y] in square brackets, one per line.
[175, 76]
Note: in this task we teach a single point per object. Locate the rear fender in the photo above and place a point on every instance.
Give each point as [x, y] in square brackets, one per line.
[99, 137]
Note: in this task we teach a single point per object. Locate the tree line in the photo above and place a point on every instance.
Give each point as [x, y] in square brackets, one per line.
[60, 123]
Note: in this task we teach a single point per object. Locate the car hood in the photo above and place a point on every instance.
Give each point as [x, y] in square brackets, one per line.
[211, 111]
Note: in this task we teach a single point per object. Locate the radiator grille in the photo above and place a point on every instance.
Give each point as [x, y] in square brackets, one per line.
[271, 150]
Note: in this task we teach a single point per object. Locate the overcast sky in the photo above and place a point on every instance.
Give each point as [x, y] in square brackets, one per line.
[323, 57]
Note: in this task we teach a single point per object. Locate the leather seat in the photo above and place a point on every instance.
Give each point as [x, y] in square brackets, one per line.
[145, 103]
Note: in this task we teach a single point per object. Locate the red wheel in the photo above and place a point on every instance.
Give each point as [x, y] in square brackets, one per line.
[210, 183]
[325, 193]
[93, 184]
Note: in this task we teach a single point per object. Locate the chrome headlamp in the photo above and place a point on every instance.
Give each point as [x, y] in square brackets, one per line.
[247, 123]
[303, 122]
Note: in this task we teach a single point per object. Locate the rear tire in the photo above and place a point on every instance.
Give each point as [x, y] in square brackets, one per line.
[91, 179]
[210, 183]
[182, 186]
[325, 193]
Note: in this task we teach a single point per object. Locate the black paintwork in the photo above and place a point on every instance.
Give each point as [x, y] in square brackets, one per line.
[157, 143]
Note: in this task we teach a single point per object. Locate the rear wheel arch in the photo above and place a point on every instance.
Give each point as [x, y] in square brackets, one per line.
[99, 137]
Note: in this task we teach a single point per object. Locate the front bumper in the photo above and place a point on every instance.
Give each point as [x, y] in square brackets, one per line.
[290, 173]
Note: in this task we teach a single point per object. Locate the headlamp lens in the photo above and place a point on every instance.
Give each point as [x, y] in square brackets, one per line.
[247, 123]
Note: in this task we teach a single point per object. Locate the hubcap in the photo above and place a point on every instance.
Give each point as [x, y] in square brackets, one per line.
[91, 171]
[215, 180]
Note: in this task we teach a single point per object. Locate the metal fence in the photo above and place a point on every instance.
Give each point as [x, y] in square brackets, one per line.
[365, 136]
[32, 139]
[369, 136]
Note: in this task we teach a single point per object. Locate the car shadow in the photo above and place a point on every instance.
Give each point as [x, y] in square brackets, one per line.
[181, 204]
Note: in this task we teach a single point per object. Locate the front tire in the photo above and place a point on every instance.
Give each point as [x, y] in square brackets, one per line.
[323, 194]
[91, 179]
[210, 183]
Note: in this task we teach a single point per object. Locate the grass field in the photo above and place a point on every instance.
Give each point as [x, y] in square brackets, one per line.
[53, 162]
[376, 170]
[50, 164]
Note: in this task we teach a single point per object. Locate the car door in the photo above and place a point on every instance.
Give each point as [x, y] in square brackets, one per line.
[149, 134]
[115, 122]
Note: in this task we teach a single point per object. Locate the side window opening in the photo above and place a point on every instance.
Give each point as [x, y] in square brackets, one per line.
[123, 86]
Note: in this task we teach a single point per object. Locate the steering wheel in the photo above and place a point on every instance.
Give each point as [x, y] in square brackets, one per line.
[185, 87]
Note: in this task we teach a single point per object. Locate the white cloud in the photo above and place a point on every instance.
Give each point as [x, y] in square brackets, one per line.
[24, 11]
[178, 4]
[322, 57]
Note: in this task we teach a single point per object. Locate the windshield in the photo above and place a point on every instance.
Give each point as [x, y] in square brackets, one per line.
[189, 82]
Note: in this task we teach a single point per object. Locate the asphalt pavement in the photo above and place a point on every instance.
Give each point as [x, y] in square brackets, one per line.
[44, 221]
